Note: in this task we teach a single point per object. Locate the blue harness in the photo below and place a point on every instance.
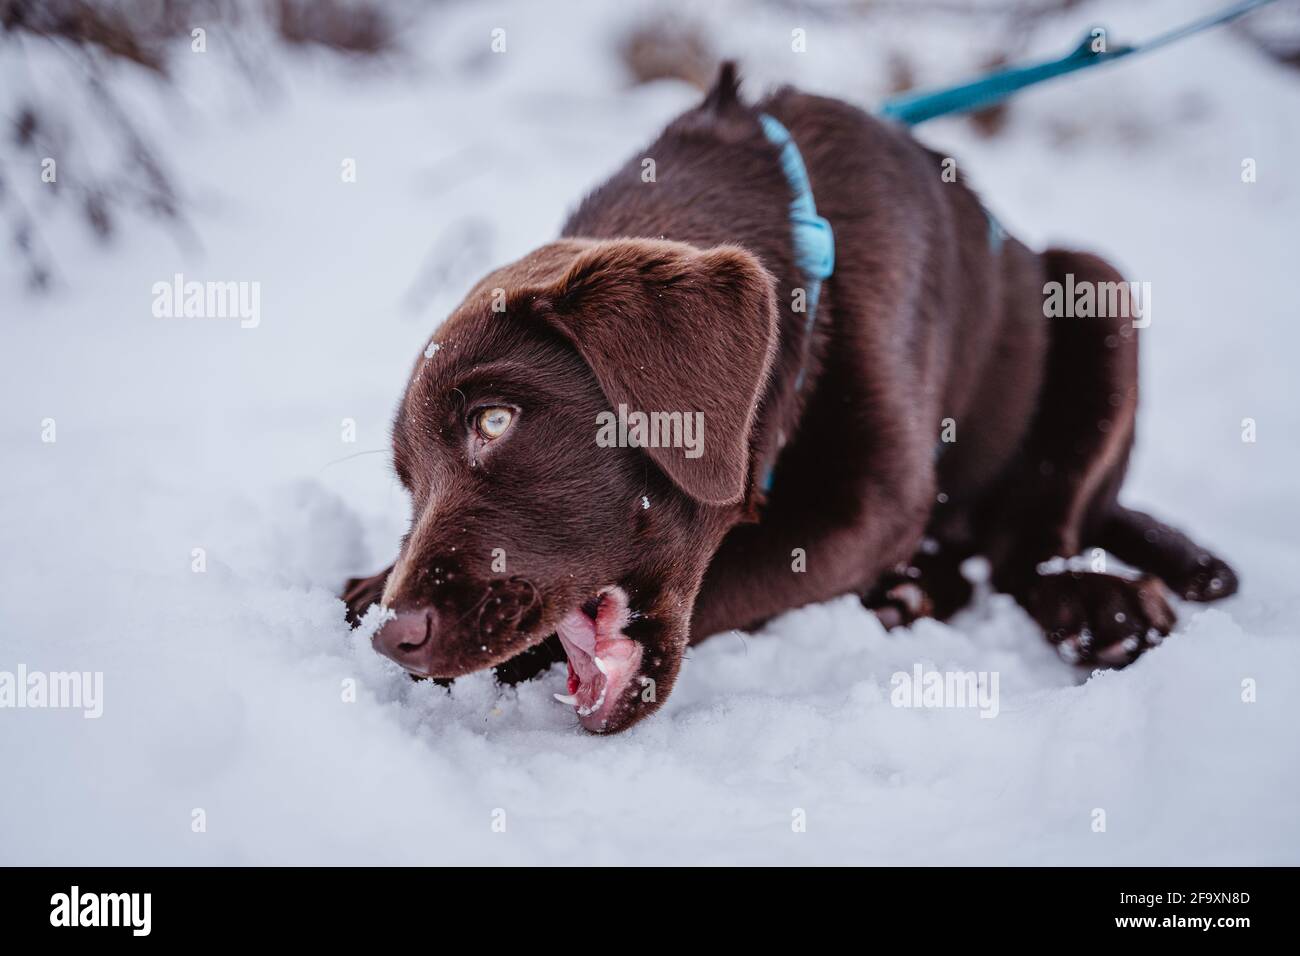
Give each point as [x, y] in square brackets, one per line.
[814, 244]
[814, 241]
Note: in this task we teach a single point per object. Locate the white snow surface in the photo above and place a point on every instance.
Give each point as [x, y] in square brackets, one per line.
[224, 690]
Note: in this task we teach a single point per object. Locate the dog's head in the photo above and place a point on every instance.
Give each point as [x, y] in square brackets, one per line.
[576, 441]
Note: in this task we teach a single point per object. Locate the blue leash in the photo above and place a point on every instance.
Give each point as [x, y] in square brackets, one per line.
[913, 108]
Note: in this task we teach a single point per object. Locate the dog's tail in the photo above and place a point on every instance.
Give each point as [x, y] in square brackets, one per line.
[724, 95]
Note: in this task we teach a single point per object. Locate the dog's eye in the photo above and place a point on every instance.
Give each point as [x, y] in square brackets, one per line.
[493, 422]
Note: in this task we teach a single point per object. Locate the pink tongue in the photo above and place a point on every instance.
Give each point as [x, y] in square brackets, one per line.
[585, 639]
[578, 634]
[579, 630]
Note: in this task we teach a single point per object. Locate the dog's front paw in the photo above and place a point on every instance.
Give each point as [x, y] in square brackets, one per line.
[1208, 580]
[359, 593]
[1099, 618]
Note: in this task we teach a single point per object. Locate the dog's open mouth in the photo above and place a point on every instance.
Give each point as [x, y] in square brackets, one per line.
[602, 661]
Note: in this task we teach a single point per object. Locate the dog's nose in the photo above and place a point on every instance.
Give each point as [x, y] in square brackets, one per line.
[408, 639]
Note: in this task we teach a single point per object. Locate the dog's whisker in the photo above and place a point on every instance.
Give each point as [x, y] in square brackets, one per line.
[356, 454]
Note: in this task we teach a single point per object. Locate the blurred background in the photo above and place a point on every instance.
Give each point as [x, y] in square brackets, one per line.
[107, 85]
[365, 163]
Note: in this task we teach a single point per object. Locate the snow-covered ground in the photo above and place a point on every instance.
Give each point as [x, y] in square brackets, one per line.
[228, 691]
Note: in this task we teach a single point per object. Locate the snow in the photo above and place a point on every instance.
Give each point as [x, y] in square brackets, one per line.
[239, 692]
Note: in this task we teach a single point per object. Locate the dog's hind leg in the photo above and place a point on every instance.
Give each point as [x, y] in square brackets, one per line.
[1062, 491]
[931, 583]
[1190, 571]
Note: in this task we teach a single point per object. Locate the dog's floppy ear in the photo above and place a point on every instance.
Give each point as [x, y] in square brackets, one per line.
[668, 327]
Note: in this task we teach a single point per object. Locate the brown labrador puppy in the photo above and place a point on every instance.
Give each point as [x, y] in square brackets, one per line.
[682, 297]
